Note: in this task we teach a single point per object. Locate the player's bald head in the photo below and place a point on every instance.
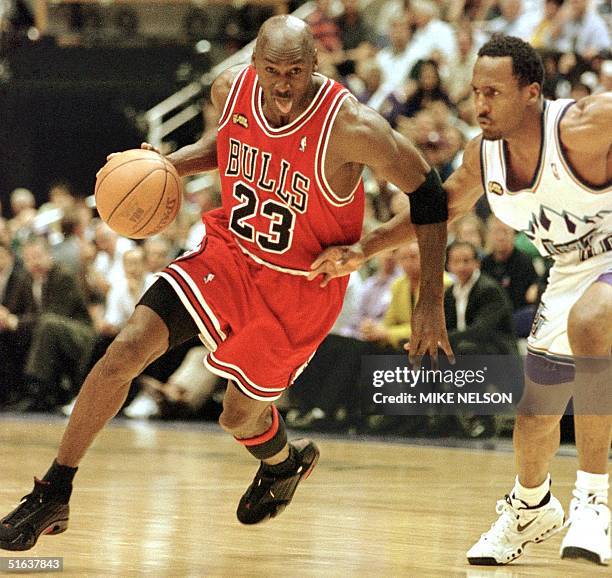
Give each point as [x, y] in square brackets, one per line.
[285, 37]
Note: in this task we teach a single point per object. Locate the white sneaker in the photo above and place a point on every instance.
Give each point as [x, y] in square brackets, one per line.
[516, 526]
[588, 536]
[142, 407]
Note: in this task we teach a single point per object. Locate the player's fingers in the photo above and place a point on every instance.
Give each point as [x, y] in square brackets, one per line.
[448, 350]
[328, 255]
[109, 157]
[326, 279]
[147, 146]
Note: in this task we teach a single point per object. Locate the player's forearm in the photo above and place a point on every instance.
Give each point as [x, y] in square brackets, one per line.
[198, 157]
[432, 246]
[392, 234]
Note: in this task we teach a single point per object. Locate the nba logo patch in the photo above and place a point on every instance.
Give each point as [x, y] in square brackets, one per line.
[495, 188]
[303, 145]
[241, 120]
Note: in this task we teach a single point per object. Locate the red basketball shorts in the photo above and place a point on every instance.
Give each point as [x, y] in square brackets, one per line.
[260, 326]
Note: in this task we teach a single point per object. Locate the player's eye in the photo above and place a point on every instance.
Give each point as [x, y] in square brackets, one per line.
[270, 70]
[296, 71]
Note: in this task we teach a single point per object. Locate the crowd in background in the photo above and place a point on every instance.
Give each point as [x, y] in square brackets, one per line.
[68, 283]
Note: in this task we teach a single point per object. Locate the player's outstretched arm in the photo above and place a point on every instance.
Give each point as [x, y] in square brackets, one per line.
[201, 156]
[365, 138]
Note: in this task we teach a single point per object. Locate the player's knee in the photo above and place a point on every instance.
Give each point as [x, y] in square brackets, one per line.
[535, 425]
[235, 420]
[586, 331]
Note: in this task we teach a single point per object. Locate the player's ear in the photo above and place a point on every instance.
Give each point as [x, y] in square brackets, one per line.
[535, 90]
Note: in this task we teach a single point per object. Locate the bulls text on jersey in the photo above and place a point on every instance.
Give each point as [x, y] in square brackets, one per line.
[254, 166]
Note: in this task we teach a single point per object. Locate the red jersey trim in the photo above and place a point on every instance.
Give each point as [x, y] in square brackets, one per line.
[232, 97]
[237, 375]
[326, 131]
[299, 122]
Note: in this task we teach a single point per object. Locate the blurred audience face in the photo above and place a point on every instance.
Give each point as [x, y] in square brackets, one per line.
[462, 262]
[22, 199]
[134, 264]
[37, 257]
[157, 253]
[578, 7]
[471, 230]
[428, 76]
[351, 7]
[500, 238]
[106, 238]
[399, 33]
[409, 260]
[551, 7]
[464, 41]
[61, 196]
[511, 9]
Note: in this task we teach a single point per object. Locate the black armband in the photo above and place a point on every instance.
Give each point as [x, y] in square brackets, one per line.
[428, 203]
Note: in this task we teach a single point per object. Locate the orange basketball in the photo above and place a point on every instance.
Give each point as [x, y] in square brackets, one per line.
[138, 193]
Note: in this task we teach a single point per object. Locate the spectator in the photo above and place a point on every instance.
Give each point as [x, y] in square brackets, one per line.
[514, 271]
[458, 70]
[432, 38]
[513, 21]
[15, 294]
[478, 312]
[395, 61]
[158, 253]
[426, 90]
[580, 29]
[541, 36]
[23, 207]
[471, 229]
[324, 28]
[57, 322]
[108, 263]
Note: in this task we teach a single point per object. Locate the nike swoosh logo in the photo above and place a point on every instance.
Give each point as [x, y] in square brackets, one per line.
[520, 528]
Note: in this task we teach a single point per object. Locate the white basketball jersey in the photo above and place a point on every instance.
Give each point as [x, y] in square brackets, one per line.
[564, 217]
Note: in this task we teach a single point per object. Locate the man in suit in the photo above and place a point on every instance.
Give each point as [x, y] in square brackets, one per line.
[15, 296]
[478, 312]
[56, 322]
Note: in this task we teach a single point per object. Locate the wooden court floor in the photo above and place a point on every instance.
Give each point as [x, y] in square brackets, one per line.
[155, 501]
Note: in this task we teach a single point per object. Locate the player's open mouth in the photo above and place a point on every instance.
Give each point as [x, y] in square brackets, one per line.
[284, 104]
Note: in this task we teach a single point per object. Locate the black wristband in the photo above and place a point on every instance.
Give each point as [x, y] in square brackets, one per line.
[428, 203]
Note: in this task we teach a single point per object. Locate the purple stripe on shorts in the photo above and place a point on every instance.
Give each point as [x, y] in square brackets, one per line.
[605, 278]
[546, 371]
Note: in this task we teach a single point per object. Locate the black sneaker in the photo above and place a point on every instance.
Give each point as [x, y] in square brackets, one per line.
[39, 513]
[270, 494]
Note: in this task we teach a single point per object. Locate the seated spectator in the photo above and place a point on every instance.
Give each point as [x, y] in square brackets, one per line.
[471, 229]
[324, 28]
[158, 253]
[395, 61]
[23, 208]
[57, 324]
[356, 37]
[478, 312]
[15, 292]
[513, 21]
[108, 264]
[432, 39]
[541, 36]
[578, 28]
[514, 271]
[458, 70]
[426, 89]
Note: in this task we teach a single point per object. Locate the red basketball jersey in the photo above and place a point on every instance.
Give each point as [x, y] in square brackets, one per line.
[276, 198]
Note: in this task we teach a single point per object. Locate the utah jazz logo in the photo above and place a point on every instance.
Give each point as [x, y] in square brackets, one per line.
[241, 120]
[495, 188]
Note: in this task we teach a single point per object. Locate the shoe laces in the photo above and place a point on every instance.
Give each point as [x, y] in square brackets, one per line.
[582, 505]
[508, 515]
[28, 504]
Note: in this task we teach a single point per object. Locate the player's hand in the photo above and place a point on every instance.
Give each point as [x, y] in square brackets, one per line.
[337, 262]
[145, 145]
[428, 332]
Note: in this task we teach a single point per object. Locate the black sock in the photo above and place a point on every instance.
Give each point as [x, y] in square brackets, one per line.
[286, 467]
[60, 480]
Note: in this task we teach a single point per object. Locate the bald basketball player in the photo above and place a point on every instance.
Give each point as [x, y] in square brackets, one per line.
[290, 148]
[546, 168]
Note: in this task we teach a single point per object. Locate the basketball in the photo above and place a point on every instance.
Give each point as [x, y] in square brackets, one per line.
[138, 193]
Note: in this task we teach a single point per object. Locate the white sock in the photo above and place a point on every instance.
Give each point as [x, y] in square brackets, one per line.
[531, 496]
[589, 484]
